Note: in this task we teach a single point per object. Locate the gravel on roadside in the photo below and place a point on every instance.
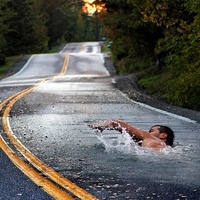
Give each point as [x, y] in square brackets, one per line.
[128, 85]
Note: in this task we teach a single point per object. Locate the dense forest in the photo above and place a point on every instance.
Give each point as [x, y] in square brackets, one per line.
[156, 39]
[35, 26]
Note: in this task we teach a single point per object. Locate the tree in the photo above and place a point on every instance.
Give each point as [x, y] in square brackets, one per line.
[134, 40]
[183, 62]
[5, 14]
[58, 18]
[161, 39]
[39, 20]
[20, 36]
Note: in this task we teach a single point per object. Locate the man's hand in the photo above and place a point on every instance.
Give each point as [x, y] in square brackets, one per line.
[108, 124]
[96, 126]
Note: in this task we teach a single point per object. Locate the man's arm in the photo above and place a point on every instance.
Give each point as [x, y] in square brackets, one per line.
[120, 126]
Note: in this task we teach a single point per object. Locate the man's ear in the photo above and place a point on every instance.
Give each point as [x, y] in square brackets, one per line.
[163, 135]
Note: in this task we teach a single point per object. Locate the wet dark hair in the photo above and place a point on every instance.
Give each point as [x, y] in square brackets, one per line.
[170, 134]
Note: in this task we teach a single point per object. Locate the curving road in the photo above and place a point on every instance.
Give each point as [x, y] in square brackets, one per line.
[67, 91]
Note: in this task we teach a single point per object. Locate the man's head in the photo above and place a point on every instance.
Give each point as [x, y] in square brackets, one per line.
[163, 132]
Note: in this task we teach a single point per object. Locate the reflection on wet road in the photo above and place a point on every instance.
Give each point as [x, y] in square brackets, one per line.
[52, 123]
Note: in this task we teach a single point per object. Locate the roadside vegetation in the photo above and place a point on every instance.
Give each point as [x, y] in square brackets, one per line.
[10, 61]
[157, 40]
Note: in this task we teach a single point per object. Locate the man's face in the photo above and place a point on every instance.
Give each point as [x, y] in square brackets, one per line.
[155, 131]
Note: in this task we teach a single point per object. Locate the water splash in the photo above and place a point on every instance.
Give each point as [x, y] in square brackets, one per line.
[123, 144]
[120, 143]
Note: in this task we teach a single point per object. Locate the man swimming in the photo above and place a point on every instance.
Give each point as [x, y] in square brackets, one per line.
[157, 137]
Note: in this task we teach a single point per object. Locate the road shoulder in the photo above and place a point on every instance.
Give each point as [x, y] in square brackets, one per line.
[128, 85]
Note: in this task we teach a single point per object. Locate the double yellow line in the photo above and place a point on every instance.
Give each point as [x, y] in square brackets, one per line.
[50, 181]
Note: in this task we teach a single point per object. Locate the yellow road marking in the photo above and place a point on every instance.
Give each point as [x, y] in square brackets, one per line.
[44, 183]
[65, 65]
[82, 47]
[46, 170]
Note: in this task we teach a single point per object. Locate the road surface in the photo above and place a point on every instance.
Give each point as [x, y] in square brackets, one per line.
[67, 91]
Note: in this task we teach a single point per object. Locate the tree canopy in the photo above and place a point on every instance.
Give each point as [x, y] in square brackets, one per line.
[34, 26]
[158, 40]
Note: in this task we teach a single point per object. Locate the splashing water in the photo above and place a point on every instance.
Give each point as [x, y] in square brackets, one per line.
[124, 144]
[178, 164]
[120, 143]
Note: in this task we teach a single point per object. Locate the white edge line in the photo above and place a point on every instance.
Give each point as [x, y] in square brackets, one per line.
[102, 57]
[103, 61]
[84, 75]
[161, 111]
[64, 48]
[29, 60]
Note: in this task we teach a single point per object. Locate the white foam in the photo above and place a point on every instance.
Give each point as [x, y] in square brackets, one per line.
[123, 144]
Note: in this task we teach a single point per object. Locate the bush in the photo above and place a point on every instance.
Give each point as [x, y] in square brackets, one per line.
[2, 59]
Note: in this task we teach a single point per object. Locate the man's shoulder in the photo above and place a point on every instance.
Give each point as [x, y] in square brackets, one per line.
[153, 142]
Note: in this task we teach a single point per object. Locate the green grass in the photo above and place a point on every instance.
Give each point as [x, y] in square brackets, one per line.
[155, 84]
[57, 47]
[104, 47]
[10, 61]
[150, 84]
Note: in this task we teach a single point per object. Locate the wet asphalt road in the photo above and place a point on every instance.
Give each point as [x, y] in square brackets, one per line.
[52, 123]
[15, 185]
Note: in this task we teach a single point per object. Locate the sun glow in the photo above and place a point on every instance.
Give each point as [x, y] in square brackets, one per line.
[91, 7]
